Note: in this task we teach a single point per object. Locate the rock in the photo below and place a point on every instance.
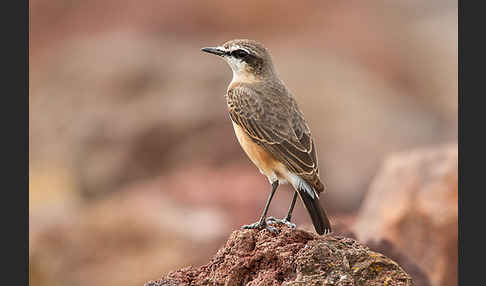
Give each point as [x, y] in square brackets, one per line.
[343, 225]
[120, 241]
[386, 247]
[413, 204]
[294, 257]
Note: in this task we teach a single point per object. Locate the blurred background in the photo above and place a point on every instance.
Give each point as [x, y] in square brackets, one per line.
[134, 167]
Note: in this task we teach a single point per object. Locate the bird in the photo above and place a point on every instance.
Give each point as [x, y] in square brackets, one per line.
[272, 131]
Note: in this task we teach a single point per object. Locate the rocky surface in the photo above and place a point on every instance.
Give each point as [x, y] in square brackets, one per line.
[294, 257]
[386, 247]
[412, 203]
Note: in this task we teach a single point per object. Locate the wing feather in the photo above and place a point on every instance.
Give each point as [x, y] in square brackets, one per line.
[277, 125]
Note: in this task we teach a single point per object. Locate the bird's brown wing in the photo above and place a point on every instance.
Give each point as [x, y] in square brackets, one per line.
[274, 121]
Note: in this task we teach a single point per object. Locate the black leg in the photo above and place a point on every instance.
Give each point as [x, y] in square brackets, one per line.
[291, 208]
[262, 222]
[265, 210]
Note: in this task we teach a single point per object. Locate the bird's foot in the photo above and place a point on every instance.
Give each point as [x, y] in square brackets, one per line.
[272, 220]
[261, 225]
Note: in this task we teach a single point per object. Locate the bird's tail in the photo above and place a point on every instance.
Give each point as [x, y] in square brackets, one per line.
[316, 211]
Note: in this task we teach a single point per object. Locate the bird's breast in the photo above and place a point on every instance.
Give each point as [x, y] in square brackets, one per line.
[268, 165]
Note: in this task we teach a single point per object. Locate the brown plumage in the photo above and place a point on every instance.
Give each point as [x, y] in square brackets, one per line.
[275, 122]
[271, 128]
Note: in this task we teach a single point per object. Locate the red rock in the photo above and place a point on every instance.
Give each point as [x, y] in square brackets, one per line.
[294, 257]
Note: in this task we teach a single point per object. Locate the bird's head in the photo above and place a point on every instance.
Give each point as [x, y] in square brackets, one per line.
[249, 60]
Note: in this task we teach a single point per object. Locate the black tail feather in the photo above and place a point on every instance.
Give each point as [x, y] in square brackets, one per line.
[316, 211]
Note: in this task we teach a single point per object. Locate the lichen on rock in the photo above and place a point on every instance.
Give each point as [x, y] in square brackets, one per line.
[294, 257]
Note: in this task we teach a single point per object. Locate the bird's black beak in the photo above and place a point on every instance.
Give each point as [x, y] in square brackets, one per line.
[217, 51]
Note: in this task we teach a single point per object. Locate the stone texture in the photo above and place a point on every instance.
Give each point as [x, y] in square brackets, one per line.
[294, 257]
[412, 203]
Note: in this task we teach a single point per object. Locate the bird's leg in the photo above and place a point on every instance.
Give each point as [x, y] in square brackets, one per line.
[291, 208]
[262, 223]
[286, 220]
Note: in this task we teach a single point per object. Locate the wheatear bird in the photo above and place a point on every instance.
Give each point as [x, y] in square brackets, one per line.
[271, 130]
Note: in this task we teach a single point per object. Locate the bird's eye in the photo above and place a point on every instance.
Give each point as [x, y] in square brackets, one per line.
[240, 53]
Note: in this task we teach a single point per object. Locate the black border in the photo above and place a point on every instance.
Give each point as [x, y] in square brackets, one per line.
[460, 271]
[15, 141]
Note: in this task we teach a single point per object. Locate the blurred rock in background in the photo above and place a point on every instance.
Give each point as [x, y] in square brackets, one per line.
[413, 204]
[140, 234]
[127, 117]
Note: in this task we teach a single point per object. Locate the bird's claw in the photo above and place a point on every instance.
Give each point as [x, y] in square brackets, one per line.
[261, 225]
[272, 220]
